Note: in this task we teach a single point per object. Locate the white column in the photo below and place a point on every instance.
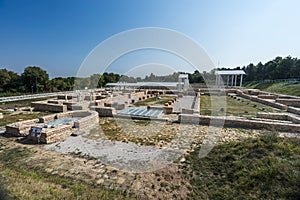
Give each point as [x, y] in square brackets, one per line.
[241, 81]
[235, 78]
[227, 80]
[232, 77]
[217, 80]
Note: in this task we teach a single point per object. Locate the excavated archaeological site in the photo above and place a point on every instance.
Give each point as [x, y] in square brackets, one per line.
[137, 141]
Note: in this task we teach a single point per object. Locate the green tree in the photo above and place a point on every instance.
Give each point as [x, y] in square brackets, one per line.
[94, 83]
[4, 79]
[35, 78]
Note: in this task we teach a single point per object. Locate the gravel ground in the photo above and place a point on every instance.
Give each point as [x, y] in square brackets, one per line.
[124, 156]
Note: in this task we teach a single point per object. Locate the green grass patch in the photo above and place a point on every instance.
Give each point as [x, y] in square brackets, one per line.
[154, 101]
[23, 181]
[231, 106]
[266, 167]
[20, 103]
[8, 118]
[285, 87]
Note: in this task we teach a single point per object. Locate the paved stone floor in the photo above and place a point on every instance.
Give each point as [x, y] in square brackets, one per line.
[184, 102]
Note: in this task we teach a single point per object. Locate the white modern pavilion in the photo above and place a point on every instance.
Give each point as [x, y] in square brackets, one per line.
[229, 78]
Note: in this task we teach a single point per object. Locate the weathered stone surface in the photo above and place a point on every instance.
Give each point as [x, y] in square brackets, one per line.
[44, 106]
[238, 122]
[20, 128]
[289, 102]
[120, 180]
[100, 181]
[294, 110]
[85, 119]
[104, 111]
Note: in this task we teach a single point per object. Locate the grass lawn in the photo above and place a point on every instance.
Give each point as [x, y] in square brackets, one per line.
[8, 118]
[233, 106]
[267, 167]
[154, 101]
[287, 87]
[21, 103]
[112, 131]
[19, 181]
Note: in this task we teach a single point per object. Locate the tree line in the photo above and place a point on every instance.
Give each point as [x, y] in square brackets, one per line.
[278, 68]
[35, 80]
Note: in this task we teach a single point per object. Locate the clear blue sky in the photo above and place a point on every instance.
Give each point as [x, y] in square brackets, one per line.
[58, 34]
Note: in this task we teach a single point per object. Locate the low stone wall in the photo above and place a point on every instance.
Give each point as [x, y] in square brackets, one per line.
[51, 135]
[66, 96]
[49, 118]
[262, 101]
[168, 109]
[279, 116]
[55, 101]
[187, 111]
[69, 104]
[289, 102]
[294, 110]
[88, 120]
[264, 96]
[20, 128]
[275, 116]
[81, 106]
[238, 122]
[104, 111]
[43, 106]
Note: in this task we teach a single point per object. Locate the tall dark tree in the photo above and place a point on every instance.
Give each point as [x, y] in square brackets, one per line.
[35, 78]
[4, 79]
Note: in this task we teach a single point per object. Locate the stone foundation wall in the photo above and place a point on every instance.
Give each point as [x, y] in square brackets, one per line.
[49, 118]
[275, 116]
[66, 96]
[168, 109]
[294, 110]
[80, 106]
[279, 116]
[43, 106]
[262, 101]
[51, 135]
[89, 119]
[69, 104]
[20, 128]
[86, 119]
[60, 102]
[263, 96]
[238, 123]
[289, 102]
[187, 111]
[104, 111]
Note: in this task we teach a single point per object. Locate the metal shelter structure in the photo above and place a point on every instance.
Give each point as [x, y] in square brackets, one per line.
[229, 77]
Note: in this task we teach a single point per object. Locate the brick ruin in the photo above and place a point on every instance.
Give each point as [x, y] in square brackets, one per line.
[37, 130]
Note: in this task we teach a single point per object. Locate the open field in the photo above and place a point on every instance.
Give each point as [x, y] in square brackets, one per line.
[242, 107]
